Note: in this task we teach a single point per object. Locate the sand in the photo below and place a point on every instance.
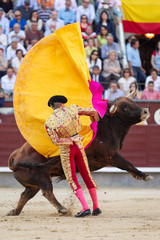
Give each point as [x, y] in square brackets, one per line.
[127, 214]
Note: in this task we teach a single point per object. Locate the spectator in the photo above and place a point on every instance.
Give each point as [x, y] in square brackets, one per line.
[3, 38]
[33, 4]
[97, 77]
[3, 63]
[128, 46]
[90, 47]
[93, 60]
[89, 34]
[59, 22]
[132, 87]
[84, 23]
[7, 6]
[33, 42]
[126, 80]
[8, 81]
[113, 92]
[102, 36]
[110, 45]
[111, 68]
[155, 58]
[44, 12]
[104, 21]
[34, 18]
[16, 62]
[52, 28]
[80, 2]
[60, 4]
[150, 93]
[105, 5]
[154, 78]
[86, 9]
[25, 9]
[33, 33]
[17, 34]
[135, 63]
[49, 4]
[18, 19]
[3, 95]
[11, 50]
[4, 22]
[66, 14]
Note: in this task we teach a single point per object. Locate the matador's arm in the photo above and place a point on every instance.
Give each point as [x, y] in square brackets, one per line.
[56, 140]
[89, 112]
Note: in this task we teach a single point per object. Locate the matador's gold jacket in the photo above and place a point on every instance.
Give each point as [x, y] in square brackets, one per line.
[65, 122]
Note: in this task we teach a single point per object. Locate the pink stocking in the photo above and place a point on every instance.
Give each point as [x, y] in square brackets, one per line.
[80, 196]
[93, 194]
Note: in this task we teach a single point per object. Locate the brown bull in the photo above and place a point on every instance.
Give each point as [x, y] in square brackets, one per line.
[34, 171]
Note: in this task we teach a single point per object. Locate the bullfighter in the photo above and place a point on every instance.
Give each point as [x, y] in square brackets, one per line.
[63, 127]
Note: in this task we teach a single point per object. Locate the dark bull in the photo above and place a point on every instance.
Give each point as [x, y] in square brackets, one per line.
[34, 171]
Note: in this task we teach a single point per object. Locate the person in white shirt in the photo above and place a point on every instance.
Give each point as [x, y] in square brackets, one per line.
[59, 22]
[8, 81]
[52, 28]
[93, 60]
[16, 62]
[60, 4]
[3, 38]
[154, 78]
[11, 50]
[17, 33]
[126, 80]
[4, 22]
[86, 9]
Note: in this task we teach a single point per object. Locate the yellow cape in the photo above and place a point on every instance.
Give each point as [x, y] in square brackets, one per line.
[55, 65]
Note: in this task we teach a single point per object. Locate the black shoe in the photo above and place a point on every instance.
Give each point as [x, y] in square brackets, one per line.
[83, 214]
[96, 212]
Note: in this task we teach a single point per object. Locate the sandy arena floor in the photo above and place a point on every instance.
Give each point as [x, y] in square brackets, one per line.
[127, 214]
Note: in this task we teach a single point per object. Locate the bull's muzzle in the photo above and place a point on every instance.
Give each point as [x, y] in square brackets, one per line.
[145, 114]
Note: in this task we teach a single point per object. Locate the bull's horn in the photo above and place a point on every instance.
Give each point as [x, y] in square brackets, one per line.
[113, 108]
[133, 93]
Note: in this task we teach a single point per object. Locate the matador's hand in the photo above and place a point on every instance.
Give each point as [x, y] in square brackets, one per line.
[77, 138]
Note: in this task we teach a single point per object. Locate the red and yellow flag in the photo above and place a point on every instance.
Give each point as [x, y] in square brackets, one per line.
[141, 16]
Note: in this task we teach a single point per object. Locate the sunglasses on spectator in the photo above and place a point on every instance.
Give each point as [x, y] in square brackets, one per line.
[18, 15]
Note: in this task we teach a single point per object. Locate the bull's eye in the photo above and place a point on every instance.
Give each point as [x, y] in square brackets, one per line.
[125, 109]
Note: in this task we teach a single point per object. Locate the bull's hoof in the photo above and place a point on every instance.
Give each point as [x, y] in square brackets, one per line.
[148, 178]
[13, 212]
[63, 211]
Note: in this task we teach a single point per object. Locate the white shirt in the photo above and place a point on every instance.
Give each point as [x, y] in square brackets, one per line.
[60, 4]
[89, 12]
[21, 33]
[8, 84]
[156, 82]
[33, 4]
[16, 63]
[126, 83]
[3, 40]
[11, 53]
[92, 64]
[4, 22]
[59, 23]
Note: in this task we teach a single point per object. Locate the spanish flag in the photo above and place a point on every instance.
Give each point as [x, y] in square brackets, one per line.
[141, 16]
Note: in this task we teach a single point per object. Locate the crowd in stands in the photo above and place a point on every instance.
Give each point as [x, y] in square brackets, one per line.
[24, 22]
